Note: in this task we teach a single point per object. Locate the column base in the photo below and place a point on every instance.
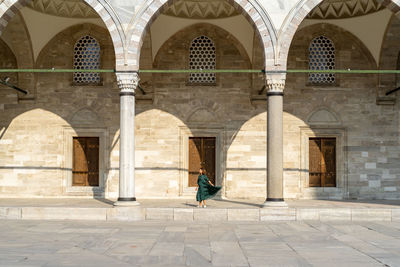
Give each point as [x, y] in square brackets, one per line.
[126, 201]
[275, 203]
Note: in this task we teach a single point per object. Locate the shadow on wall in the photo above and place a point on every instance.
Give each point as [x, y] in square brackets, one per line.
[38, 153]
[34, 133]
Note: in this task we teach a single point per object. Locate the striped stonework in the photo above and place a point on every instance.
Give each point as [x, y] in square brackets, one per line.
[393, 5]
[8, 9]
[151, 9]
[299, 13]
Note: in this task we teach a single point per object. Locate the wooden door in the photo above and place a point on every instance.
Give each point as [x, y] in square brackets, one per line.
[201, 154]
[209, 157]
[328, 162]
[85, 169]
[322, 162]
[194, 160]
[315, 162]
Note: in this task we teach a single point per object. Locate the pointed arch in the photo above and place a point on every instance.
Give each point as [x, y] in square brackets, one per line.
[251, 9]
[296, 17]
[9, 8]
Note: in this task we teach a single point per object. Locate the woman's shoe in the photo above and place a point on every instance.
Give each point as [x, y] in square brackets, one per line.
[204, 206]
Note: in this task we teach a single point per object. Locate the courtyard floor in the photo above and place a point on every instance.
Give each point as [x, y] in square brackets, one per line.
[307, 243]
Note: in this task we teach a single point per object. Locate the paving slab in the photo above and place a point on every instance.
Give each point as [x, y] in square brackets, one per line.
[224, 252]
[167, 249]
[169, 243]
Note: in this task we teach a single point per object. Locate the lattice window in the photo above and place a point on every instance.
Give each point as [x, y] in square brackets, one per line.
[322, 57]
[87, 57]
[202, 56]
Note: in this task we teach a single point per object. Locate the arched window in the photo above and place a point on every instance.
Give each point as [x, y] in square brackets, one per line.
[87, 57]
[202, 56]
[321, 57]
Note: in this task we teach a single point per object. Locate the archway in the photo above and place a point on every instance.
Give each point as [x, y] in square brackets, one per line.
[9, 8]
[254, 13]
[296, 17]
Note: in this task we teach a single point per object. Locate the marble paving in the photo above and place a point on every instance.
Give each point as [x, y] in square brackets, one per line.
[306, 243]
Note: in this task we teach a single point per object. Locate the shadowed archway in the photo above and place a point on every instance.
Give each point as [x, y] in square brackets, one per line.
[251, 10]
[8, 9]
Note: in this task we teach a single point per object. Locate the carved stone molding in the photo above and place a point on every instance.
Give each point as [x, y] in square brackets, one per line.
[276, 84]
[201, 9]
[64, 8]
[339, 9]
[127, 82]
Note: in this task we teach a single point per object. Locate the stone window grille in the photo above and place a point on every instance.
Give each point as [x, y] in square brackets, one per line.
[202, 56]
[87, 57]
[321, 57]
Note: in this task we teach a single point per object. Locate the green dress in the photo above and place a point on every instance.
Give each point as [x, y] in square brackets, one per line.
[205, 190]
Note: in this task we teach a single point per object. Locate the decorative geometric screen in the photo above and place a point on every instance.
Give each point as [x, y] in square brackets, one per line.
[87, 57]
[202, 56]
[322, 57]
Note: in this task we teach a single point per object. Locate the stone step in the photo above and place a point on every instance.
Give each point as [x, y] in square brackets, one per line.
[139, 213]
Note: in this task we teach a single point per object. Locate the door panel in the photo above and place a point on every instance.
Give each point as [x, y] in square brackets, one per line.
[322, 162]
[201, 154]
[329, 162]
[85, 168]
[80, 168]
[209, 158]
[315, 162]
[93, 161]
[194, 160]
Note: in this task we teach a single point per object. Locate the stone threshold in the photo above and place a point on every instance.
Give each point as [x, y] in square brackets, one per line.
[140, 213]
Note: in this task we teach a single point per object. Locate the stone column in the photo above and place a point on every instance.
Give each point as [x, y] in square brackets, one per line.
[127, 82]
[275, 85]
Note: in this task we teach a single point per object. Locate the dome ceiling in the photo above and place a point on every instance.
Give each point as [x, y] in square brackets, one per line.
[340, 9]
[201, 9]
[64, 8]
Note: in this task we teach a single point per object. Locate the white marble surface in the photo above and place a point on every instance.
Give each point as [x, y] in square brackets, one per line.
[66, 243]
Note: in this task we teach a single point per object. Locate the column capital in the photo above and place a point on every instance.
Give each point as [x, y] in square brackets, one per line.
[127, 82]
[275, 83]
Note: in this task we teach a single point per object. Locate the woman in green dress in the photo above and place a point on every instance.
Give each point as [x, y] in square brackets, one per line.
[205, 188]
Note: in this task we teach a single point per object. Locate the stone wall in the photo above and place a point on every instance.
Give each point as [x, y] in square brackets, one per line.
[8, 61]
[17, 36]
[370, 139]
[181, 110]
[35, 135]
[35, 163]
[390, 57]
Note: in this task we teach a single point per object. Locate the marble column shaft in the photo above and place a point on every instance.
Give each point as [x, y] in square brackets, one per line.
[127, 83]
[275, 85]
